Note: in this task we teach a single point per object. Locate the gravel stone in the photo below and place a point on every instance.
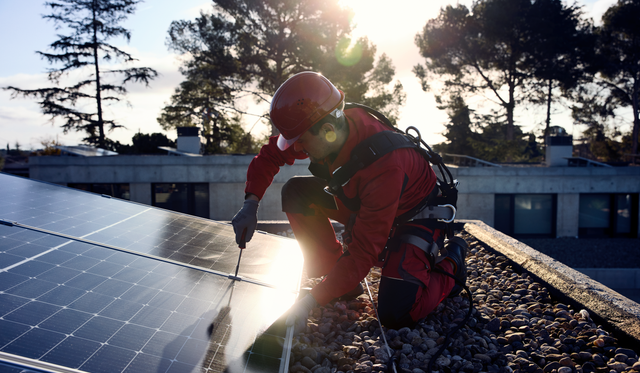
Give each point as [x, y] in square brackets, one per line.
[621, 358]
[515, 326]
[566, 361]
[381, 354]
[308, 362]
[300, 368]
[345, 361]
[443, 361]
[588, 367]
[484, 358]
[551, 366]
[408, 349]
[617, 366]
[311, 353]
[493, 325]
[515, 337]
[628, 352]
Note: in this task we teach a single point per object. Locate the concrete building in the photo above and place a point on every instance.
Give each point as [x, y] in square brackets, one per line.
[552, 201]
[527, 201]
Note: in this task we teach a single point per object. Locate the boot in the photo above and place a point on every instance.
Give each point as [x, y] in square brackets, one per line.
[456, 253]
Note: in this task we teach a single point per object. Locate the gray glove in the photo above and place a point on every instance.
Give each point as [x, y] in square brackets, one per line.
[245, 221]
[299, 313]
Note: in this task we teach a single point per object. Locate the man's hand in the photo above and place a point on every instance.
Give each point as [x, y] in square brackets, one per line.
[299, 313]
[246, 219]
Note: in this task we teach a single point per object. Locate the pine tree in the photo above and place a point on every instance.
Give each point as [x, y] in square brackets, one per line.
[248, 48]
[501, 48]
[90, 24]
[619, 48]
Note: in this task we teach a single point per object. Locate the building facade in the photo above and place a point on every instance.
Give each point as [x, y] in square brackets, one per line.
[527, 201]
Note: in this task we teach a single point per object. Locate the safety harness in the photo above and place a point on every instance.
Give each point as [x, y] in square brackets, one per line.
[436, 211]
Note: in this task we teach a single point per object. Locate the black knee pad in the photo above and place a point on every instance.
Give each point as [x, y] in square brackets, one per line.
[395, 300]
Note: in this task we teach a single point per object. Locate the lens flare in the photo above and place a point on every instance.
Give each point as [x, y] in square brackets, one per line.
[330, 136]
[348, 53]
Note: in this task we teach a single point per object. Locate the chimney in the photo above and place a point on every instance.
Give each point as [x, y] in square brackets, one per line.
[188, 140]
[559, 147]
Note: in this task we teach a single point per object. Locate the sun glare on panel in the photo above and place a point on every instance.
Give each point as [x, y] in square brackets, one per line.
[288, 260]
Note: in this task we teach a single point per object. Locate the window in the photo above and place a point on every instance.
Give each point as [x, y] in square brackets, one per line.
[608, 215]
[526, 215]
[114, 190]
[188, 198]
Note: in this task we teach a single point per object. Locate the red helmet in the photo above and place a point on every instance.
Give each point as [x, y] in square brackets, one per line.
[301, 102]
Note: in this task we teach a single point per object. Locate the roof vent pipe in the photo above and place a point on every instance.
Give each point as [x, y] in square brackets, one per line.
[188, 140]
[559, 147]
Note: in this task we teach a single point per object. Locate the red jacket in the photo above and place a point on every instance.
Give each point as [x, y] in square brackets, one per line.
[379, 187]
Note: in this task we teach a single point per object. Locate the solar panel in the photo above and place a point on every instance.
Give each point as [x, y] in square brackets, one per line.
[85, 151]
[105, 285]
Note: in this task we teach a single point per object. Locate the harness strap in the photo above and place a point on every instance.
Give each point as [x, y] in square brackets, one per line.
[346, 235]
[365, 153]
[431, 249]
[353, 204]
[320, 170]
[428, 200]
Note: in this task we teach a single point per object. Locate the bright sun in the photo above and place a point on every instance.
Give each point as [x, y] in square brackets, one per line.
[381, 20]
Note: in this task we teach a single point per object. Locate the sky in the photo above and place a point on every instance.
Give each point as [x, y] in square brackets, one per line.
[391, 29]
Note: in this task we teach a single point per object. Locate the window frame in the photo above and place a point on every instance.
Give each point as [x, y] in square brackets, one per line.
[91, 187]
[611, 230]
[510, 229]
[191, 200]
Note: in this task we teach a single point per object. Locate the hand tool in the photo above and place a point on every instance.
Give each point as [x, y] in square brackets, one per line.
[242, 245]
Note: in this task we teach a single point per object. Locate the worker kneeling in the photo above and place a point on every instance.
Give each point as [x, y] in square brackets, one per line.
[373, 203]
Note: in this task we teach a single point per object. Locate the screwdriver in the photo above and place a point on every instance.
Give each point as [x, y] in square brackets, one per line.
[242, 245]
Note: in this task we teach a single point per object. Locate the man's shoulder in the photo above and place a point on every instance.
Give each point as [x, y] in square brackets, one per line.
[366, 123]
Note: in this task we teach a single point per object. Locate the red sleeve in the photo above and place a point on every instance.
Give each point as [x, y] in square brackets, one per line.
[379, 193]
[266, 165]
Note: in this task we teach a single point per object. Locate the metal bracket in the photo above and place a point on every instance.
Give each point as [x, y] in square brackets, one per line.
[453, 209]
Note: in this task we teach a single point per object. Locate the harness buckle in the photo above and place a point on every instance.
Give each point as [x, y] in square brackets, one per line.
[328, 191]
[453, 209]
[332, 189]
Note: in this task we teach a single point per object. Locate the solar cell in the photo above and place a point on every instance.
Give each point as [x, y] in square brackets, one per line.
[90, 283]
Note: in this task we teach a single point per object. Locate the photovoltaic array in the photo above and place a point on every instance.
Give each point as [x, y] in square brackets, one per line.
[97, 284]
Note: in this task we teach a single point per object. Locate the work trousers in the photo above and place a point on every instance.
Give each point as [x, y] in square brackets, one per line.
[409, 290]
